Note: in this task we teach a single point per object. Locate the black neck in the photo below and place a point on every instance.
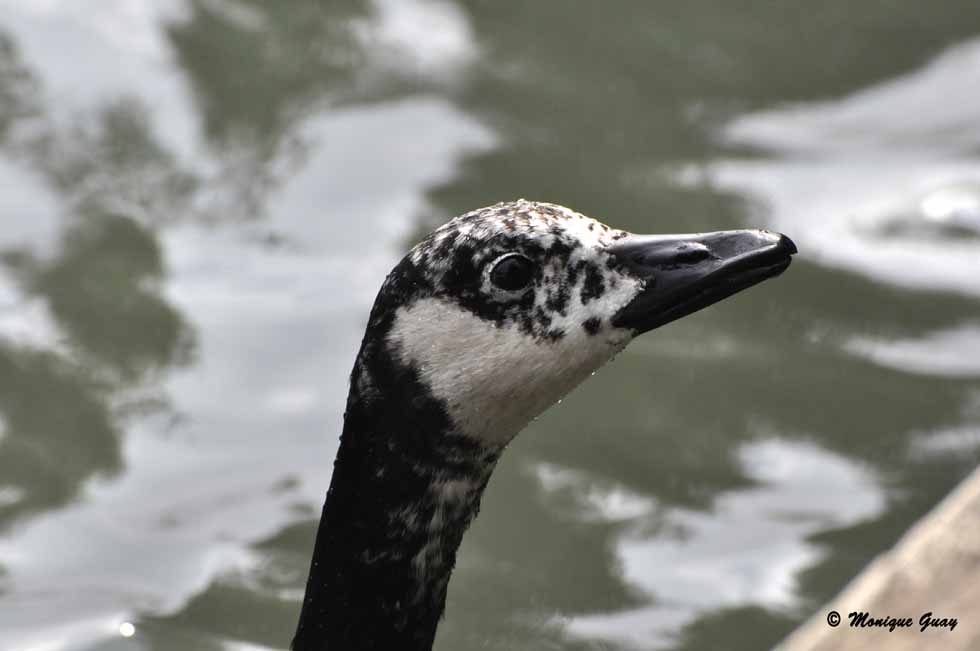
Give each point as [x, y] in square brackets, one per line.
[404, 489]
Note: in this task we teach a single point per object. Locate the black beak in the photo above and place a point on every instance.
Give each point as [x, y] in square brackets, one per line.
[684, 273]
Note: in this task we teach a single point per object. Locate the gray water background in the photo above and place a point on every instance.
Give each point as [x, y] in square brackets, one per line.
[199, 199]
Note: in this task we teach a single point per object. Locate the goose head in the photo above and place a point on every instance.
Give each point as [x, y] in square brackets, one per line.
[505, 309]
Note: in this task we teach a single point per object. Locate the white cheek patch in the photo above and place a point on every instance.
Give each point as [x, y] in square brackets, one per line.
[494, 378]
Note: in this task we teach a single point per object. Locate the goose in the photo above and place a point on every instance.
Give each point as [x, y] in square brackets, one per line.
[483, 325]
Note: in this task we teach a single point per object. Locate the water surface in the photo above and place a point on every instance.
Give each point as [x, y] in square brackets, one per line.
[201, 199]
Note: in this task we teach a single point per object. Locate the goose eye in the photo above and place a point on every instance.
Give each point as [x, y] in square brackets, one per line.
[512, 272]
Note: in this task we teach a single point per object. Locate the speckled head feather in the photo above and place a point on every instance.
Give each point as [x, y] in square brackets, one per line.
[571, 266]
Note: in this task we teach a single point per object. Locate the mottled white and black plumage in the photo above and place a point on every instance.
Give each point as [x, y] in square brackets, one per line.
[482, 326]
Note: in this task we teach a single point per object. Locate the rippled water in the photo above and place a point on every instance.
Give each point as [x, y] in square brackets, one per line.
[200, 199]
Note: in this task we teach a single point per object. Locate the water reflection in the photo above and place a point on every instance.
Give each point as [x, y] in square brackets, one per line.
[868, 191]
[96, 294]
[939, 353]
[102, 288]
[289, 56]
[202, 209]
[745, 550]
[18, 88]
[46, 453]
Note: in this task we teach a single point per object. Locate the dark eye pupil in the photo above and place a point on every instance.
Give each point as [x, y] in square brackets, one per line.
[512, 273]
